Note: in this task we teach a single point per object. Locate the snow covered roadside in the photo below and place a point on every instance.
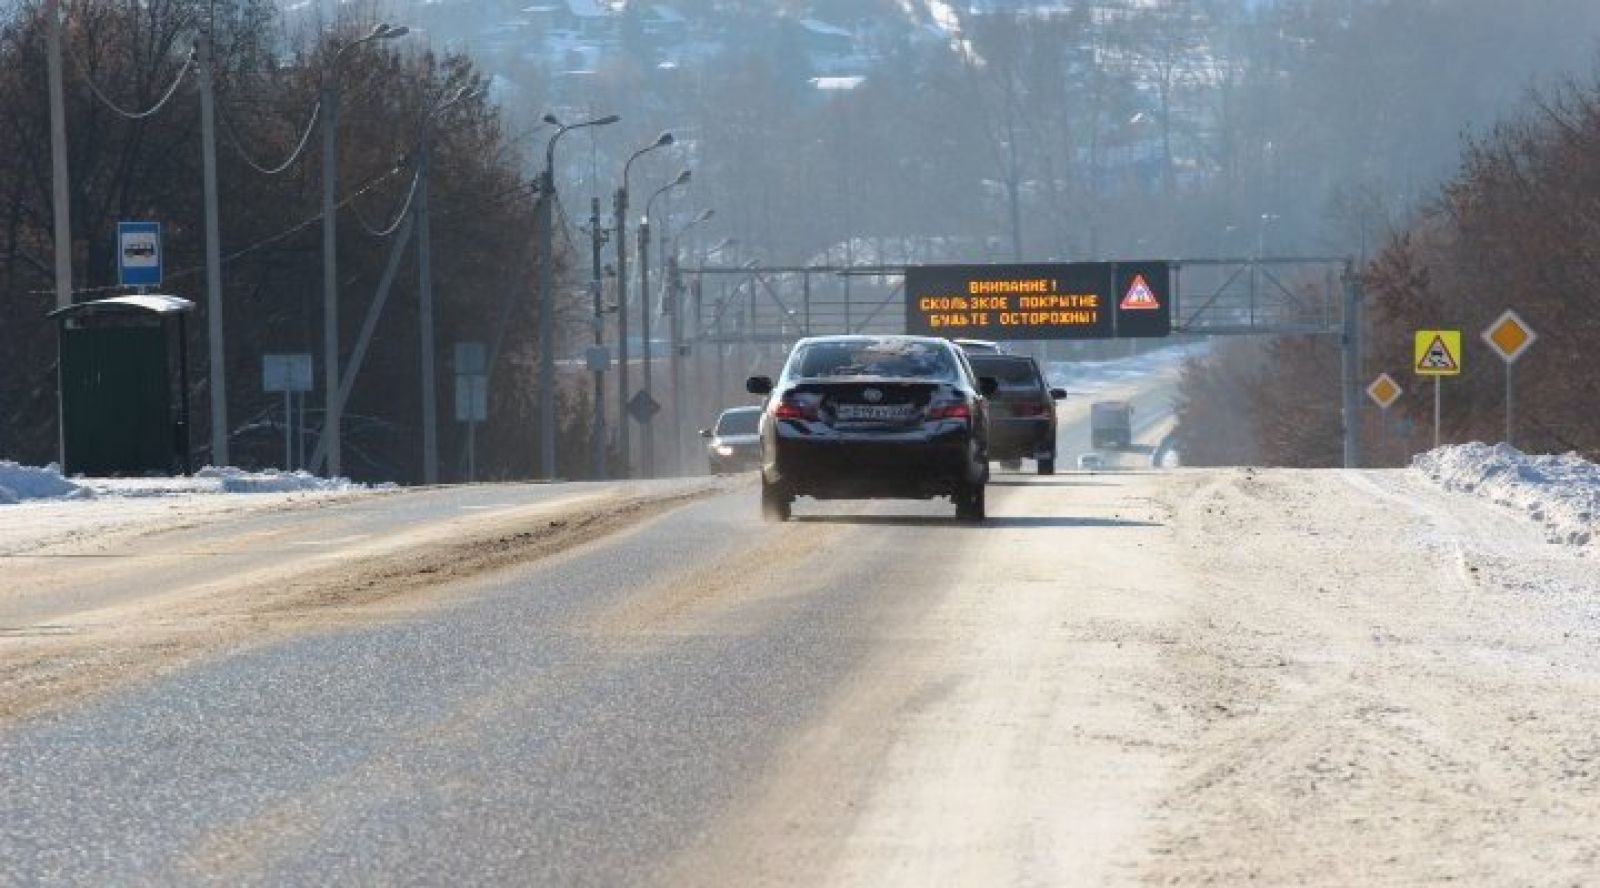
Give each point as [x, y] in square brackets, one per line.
[19, 482]
[41, 510]
[1559, 493]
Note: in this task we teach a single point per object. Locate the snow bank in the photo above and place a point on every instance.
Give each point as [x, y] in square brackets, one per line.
[273, 481]
[19, 482]
[1561, 493]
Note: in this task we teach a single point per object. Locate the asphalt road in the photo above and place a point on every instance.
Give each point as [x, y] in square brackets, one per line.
[595, 718]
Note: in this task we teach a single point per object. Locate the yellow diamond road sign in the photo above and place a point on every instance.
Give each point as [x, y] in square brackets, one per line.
[1510, 336]
[1438, 353]
[1384, 391]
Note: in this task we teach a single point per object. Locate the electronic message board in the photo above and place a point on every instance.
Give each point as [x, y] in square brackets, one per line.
[1076, 300]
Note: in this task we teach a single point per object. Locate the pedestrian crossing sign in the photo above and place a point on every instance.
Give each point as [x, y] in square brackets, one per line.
[1438, 352]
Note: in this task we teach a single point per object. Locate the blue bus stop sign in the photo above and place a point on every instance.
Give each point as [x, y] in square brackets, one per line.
[139, 254]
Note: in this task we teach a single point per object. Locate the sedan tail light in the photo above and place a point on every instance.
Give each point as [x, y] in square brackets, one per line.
[796, 406]
[950, 410]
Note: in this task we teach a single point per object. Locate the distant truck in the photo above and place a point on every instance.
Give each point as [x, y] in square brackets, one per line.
[1111, 425]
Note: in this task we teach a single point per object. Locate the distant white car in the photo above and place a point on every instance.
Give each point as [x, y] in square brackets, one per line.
[1091, 461]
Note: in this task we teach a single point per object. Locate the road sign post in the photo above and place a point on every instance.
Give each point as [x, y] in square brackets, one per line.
[1437, 354]
[1384, 391]
[139, 254]
[1509, 336]
[472, 395]
[289, 374]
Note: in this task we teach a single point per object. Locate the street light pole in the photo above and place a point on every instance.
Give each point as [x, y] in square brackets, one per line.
[620, 218]
[330, 242]
[673, 306]
[647, 313]
[547, 322]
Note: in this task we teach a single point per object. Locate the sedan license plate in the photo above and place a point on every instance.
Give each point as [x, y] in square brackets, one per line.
[874, 412]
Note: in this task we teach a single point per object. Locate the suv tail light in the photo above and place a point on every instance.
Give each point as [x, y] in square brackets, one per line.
[796, 406]
[950, 410]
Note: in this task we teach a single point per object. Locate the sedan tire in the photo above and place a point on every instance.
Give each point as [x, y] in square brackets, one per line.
[971, 503]
[776, 503]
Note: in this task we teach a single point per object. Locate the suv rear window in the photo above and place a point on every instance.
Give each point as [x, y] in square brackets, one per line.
[1012, 371]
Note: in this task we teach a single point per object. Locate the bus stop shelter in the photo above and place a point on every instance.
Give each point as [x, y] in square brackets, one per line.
[123, 384]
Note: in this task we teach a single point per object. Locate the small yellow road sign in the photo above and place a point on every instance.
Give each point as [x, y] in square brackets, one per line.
[1438, 353]
[1509, 336]
[1384, 391]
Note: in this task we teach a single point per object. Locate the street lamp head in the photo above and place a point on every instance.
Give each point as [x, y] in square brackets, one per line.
[397, 31]
[664, 140]
[608, 120]
[551, 119]
[705, 215]
[683, 178]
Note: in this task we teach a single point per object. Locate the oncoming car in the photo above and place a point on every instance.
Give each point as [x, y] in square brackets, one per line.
[733, 445]
[870, 417]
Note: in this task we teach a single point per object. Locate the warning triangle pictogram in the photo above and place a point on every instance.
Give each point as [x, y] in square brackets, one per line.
[1140, 297]
[1437, 357]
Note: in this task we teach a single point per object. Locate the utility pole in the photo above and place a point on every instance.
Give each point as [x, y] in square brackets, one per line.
[547, 324]
[619, 218]
[430, 393]
[596, 292]
[60, 195]
[1350, 353]
[646, 349]
[330, 240]
[214, 327]
[330, 268]
[674, 309]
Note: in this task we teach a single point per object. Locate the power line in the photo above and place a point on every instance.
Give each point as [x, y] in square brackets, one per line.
[391, 228]
[299, 148]
[172, 90]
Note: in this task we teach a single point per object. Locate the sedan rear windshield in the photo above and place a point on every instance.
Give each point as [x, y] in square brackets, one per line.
[893, 358]
[739, 422]
[1010, 370]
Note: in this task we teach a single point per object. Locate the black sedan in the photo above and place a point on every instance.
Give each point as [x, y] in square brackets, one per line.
[869, 417]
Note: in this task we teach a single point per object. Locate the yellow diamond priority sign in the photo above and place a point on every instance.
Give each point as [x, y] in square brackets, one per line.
[1438, 353]
[1384, 391]
[1509, 336]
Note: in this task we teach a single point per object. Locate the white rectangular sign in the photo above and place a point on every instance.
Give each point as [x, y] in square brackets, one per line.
[286, 373]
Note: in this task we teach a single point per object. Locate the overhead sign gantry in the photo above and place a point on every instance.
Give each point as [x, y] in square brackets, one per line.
[1075, 300]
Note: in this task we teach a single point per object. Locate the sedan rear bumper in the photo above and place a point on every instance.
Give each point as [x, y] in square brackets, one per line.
[914, 465]
[1021, 438]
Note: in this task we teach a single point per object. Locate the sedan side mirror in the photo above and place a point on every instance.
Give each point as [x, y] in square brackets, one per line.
[705, 433]
[988, 385]
[1058, 394]
[758, 385]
